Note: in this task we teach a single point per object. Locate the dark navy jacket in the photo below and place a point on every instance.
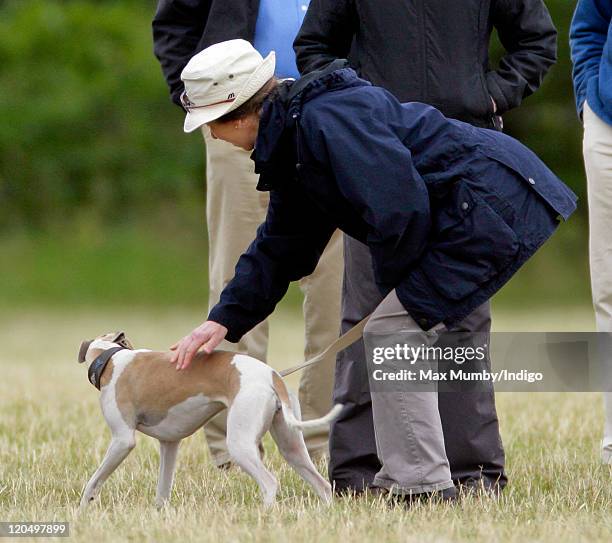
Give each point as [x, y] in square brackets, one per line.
[449, 211]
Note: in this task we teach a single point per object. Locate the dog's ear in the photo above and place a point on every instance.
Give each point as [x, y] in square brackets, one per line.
[120, 339]
[83, 351]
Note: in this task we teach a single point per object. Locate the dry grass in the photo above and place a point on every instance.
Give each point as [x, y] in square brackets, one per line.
[52, 437]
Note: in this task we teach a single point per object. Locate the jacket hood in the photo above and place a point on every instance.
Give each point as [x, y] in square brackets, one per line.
[337, 75]
[282, 110]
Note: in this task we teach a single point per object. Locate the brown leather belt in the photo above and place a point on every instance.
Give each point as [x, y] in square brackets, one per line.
[341, 343]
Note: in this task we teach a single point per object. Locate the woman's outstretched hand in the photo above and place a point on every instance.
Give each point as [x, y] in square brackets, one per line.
[209, 334]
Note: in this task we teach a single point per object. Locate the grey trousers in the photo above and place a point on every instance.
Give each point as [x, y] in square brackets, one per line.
[407, 425]
[469, 419]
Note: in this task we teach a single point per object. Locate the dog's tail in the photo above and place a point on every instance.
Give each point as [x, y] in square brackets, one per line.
[283, 396]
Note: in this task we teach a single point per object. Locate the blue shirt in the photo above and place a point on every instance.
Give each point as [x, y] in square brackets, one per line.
[591, 45]
[278, 22]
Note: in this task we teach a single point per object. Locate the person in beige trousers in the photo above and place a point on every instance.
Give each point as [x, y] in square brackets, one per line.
[591, 49]
[597, 149]
[234, 210]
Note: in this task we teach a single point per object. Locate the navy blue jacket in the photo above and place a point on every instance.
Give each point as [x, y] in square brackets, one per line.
[591, 44]
[449, 211]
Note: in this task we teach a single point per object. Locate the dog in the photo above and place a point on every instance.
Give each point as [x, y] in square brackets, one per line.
[141, 390]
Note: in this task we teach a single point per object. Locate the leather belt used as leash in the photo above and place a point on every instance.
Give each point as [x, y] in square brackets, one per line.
[341, 343]
[97, 366]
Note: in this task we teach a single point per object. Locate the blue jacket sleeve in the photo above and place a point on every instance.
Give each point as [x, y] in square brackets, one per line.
[375, 173]
[287, 247]
[588, 34]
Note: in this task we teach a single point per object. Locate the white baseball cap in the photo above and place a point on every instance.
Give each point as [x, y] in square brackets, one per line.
[221, 78]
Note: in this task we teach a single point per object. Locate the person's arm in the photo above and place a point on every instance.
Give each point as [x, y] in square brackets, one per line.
[529, 37]
[178, 26]
[181, 29]
[588, 35]
[287, 247]
[326, 34]
[375, 173]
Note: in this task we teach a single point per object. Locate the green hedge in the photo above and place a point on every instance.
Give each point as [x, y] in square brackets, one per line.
[87, 126]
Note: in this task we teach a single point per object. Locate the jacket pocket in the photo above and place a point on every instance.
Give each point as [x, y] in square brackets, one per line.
[471, 245]
[495, 120]
[536, 175]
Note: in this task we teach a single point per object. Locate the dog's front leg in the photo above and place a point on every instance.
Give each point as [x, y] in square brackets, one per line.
[117, 452]
[167, 462]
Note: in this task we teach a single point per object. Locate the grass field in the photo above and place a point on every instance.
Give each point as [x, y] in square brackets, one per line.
[52, 437]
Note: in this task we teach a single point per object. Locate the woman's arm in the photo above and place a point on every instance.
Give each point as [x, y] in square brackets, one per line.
[287, 247]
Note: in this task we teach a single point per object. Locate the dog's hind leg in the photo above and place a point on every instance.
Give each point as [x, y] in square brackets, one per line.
[248, 420]
[291, 445]
[167, 462]
[121, 445]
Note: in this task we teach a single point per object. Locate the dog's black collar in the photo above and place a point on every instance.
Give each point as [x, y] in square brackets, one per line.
[97, 366]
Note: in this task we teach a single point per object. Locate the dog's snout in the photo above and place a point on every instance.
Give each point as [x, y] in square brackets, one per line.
[83, 351]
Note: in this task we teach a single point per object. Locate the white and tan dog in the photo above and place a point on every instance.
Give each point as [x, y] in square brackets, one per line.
[141, 390]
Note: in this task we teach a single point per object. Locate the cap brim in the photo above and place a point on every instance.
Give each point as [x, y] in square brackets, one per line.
[198, 117]
[201, 116]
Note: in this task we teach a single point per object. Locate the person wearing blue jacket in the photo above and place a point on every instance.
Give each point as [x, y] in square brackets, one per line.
[591, 47]
[449, 212]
